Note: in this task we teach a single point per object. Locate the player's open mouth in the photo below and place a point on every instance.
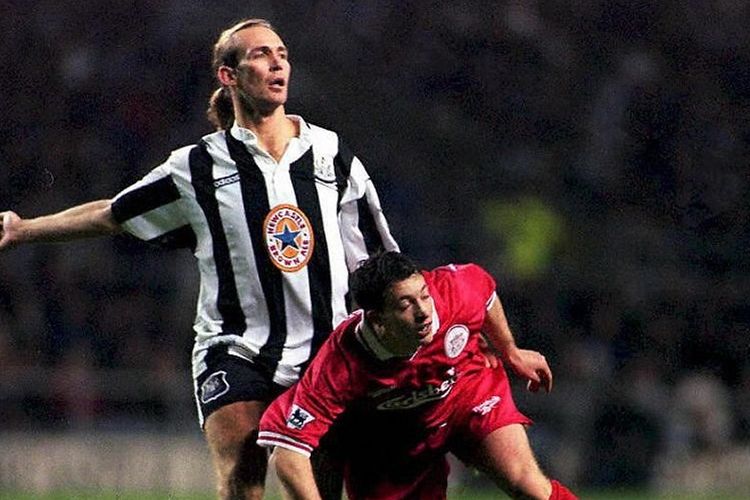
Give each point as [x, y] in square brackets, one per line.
[277, 82]
[425, 330]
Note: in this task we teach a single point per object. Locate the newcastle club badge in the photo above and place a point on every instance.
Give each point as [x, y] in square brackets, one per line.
[289, 237]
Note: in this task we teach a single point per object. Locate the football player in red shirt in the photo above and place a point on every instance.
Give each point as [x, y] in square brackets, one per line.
[403, 381]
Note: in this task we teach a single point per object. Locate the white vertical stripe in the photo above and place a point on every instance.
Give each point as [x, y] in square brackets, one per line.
[354, 242]
[336, 255]
[242, 255]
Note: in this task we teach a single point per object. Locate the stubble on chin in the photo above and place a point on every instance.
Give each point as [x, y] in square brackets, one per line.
[255, 107]
[247, 103]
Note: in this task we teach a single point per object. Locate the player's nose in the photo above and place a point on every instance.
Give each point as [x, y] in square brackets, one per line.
[276, 60]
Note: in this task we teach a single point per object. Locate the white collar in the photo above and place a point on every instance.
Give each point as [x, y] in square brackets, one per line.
[249, 138]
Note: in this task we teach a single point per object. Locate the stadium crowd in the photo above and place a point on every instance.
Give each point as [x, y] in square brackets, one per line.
[592, 155]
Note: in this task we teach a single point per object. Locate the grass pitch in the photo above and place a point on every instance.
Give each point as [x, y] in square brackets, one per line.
[456, 494]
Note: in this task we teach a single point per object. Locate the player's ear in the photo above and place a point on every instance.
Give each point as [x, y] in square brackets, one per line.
[374, 318]
[227, 76]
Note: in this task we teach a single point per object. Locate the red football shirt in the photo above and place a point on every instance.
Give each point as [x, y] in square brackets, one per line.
[402, 400]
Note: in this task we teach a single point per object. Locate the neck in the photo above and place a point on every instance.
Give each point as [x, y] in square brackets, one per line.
[274, 130]
[380, 344]
[371, 340]
[261, 123]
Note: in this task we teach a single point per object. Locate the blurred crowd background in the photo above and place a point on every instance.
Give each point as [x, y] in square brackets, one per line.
[593, 155]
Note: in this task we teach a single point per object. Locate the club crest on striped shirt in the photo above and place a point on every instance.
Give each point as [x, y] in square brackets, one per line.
[324, 169]
[289, 237]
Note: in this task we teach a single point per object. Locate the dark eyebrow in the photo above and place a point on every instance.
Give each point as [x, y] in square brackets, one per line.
[281, 48]
[422, 290]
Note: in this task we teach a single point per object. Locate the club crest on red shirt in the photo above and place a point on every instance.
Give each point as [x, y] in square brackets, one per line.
[456, 339]
[289, 237]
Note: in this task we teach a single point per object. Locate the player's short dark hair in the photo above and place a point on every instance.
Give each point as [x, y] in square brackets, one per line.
[370, 282]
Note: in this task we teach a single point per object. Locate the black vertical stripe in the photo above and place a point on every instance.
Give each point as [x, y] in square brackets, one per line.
[368, 227]
[228, 303]
[256, 205]
[318, 267]
[342, 165]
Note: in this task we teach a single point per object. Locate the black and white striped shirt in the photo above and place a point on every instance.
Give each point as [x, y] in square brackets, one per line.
[274, 241]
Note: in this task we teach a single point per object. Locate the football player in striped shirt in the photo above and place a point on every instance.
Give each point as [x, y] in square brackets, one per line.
[403, 381]
[277, 211]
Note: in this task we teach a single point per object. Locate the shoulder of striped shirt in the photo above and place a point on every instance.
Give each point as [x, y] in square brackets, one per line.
[179, 159]
[212, 140]
[325, 138]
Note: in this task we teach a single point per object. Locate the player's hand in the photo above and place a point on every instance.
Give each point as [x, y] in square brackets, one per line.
[489, 354]
[9, 222]
[532, 366]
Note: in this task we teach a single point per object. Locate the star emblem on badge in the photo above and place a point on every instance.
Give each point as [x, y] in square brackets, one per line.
[288, 238]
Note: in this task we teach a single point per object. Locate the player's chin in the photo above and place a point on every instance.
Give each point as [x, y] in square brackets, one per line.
[277, 96]
[423, 341]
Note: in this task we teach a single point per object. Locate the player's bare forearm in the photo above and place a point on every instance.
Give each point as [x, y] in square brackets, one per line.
[82, 221]
[527, 364]
[496, 330]
[295, 474]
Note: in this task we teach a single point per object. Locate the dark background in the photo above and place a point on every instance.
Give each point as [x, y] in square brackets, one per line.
[591, 155]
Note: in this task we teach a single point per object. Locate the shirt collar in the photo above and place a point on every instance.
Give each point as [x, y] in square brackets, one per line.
[249, 138]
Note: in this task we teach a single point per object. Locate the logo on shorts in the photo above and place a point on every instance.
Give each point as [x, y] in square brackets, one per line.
[456, 339]
[215, 386]
[298, 418]
[289, 237]
[486, 406]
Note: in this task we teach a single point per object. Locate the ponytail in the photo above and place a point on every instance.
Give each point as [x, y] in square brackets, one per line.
[220, 111]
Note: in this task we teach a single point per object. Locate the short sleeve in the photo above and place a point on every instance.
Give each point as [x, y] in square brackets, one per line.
[152, 209]
[301, 416]
[473, 285]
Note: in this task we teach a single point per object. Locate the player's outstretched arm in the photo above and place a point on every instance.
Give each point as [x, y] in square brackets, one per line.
[82, 221]
[295, 474]
[527, 364]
